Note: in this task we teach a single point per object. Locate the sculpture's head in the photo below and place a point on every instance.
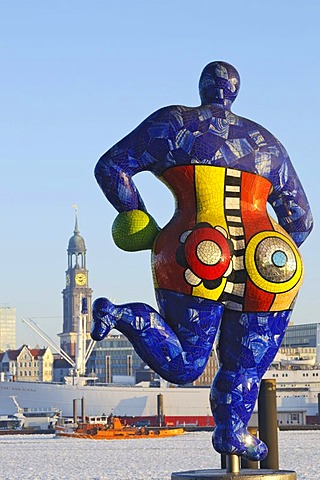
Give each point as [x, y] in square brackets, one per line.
[219, 83]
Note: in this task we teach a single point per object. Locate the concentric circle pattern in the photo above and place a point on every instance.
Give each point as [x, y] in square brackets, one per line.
[273, 263]
[207, 253]
[275, 260]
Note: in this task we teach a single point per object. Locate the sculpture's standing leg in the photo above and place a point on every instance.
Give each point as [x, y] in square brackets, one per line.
[179, 352]
[247, 345]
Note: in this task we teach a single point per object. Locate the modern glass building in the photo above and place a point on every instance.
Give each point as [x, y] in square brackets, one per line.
[7, 328]
[112, 357]
[304, 338]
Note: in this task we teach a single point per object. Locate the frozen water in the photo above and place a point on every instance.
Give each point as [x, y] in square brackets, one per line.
[45, 457]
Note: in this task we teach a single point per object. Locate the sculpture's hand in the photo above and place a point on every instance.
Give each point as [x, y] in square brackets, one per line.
[134, 230]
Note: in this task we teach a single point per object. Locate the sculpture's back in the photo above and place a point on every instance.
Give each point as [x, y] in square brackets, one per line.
[222, 262]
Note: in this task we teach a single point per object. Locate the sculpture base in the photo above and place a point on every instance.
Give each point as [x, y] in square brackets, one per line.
[242, 475]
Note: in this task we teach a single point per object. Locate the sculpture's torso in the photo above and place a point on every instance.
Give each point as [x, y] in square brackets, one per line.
[222, 244]
[222, 263]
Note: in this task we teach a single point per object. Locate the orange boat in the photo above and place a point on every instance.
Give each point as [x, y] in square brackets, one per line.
[114, 431]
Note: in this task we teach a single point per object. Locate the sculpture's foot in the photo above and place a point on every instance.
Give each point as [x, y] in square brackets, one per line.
[103, 318]
[240, 443]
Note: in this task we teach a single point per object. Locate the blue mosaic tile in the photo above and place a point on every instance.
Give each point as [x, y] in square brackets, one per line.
[221, 264]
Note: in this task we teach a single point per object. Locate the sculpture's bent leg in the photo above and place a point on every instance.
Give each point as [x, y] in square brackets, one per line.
[247, 345]
[176, 344]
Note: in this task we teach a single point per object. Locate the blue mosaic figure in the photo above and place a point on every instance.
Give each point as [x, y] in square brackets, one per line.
[222, 263]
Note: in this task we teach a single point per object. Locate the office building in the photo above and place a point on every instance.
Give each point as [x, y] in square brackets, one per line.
[7, 328]
[302, 341]
[114, 360]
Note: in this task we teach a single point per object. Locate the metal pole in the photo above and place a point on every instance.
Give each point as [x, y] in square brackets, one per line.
[160, 408]
[248, 464]
[268, 425]
[75, 410]
[232, 464]
[83, 410]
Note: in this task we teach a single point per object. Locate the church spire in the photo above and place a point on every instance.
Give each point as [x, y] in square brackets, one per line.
[76, 247]
[76, 228]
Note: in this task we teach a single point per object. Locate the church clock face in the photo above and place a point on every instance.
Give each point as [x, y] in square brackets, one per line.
[81, 279]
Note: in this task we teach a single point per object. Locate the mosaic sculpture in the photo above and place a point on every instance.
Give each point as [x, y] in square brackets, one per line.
[222, 263]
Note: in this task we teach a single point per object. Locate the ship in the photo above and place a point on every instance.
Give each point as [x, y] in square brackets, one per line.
[298, 390]
[180, 405]
[29, 420]
[113, 430]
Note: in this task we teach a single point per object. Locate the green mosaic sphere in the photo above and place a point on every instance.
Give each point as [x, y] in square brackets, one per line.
[134, 230]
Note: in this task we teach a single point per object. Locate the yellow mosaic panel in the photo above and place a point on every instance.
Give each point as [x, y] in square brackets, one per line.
[209, 183]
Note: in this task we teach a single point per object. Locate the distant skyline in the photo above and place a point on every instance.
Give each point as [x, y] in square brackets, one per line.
[77, 76]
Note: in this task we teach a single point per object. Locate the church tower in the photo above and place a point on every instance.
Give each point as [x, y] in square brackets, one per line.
[76, 294]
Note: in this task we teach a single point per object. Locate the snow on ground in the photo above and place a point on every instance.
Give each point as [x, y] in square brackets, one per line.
[45, 457]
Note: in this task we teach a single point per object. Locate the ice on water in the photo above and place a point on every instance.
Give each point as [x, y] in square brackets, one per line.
[45, 457]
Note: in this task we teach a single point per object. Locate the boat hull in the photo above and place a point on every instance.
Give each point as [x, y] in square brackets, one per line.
[120, 401]
[123, 434]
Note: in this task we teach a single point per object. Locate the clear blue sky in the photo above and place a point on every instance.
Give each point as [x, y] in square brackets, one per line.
[76, 76]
